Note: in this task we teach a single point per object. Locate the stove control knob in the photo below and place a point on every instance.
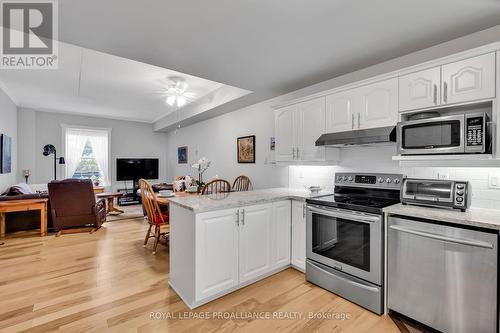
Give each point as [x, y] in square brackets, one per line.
[350, 178]
[381, 180]
[344, 178]
[460, 193]
[396, 181]
[388, 180]
[339, 178]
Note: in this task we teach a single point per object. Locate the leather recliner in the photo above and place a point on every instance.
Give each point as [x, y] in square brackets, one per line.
[73, 204]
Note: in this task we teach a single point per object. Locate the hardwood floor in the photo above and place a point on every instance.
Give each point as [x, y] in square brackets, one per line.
[107, 282]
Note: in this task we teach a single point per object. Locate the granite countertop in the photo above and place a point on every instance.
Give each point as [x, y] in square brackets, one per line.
[206, 203]
[477, 217]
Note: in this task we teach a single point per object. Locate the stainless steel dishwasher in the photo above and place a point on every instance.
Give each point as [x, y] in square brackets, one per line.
[444, 277]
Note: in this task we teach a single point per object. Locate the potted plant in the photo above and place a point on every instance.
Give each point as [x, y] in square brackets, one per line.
[95, 180]
[201, 166]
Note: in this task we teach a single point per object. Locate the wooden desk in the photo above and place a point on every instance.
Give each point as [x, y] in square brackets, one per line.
[24, 205]
[110, 199]
[98, 189]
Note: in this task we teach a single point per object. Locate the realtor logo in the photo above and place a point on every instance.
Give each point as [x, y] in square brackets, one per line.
[29, 34]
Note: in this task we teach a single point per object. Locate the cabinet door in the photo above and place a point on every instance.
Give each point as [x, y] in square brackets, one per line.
[469, 79]
[216, 252]
[285, 133]
[255, 241]
[311, 125]
[298, 235]
[340, 111]
[420, 90]
[379, 104]
[281, 233]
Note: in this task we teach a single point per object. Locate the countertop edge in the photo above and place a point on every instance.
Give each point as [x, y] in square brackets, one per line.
[482, 218]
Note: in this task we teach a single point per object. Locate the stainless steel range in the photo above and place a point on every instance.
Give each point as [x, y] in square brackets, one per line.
[344, 237]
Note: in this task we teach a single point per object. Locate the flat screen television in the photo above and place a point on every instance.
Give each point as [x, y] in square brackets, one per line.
[136, 168]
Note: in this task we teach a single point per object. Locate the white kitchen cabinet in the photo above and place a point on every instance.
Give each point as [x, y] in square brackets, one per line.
[255, 232]
[457, 82]
[420, 90]
[373, 105]
[216, 252]
[469, 79]
[340, 109]
[298, 127]
[281, 233]
[298, 258]
[379, 104]
[286, 133]
[310, 126]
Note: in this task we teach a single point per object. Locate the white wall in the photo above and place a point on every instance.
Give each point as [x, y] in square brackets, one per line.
[8, 126]
[216, 139]
[128, 139]
[378, 159]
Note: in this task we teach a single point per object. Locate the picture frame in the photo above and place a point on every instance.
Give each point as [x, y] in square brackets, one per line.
[5, 154]
[246, 149]
[182, 155]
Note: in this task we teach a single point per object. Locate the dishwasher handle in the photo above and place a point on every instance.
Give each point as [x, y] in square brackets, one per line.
[463, 241]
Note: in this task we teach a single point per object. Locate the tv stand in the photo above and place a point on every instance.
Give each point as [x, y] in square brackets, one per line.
[129, 196]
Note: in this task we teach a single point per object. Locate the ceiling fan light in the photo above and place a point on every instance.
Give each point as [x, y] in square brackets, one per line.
[171, 100]
[181, 101]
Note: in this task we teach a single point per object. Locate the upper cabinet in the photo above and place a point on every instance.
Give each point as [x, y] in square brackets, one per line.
[379, 104]
[297, 128]
[310, 125]
[373, 105]
[462, 81]
[469, 79]
[340, 109]
[420, 90]
[285, 123]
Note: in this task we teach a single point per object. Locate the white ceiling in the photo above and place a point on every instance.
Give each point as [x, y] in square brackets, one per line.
[93, 83]
[269, 47]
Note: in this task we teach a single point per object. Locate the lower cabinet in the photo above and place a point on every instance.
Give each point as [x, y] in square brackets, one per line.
[298, 235]
[236, 246]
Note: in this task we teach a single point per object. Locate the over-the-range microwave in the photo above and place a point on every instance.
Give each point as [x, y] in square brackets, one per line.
[465, 133]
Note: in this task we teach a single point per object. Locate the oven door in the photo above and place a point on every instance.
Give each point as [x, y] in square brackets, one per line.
[442, 135]
[345, 240]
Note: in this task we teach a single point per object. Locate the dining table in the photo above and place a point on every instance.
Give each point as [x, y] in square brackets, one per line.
[164, 201]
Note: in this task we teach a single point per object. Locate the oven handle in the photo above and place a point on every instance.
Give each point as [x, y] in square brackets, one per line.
[463, 241]
[347, 216]
[357, 284]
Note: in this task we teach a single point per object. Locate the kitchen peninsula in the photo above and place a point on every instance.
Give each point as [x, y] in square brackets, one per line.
[222, 242]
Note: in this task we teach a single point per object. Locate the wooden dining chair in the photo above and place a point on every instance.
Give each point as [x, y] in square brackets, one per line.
[241, 183]
[156, 218]
[216, 186]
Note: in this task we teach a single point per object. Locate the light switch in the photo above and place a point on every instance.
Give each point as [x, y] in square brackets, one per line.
[493, 181]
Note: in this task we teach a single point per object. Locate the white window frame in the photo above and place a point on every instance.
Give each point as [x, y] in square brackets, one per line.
[65, 127]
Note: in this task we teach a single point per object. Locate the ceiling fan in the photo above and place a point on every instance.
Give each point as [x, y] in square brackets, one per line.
[176, 92]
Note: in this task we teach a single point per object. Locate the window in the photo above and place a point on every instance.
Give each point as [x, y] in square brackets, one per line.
[87, 153]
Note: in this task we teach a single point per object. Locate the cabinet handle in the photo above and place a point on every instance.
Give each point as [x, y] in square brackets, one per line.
[435, 94]
[445, 92]
[304, 210]
[352, 120]
[359, 121]
[297, 153]
[238, 218]
[242, 217]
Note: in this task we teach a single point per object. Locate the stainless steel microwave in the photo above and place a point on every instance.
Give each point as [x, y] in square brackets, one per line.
[455, 134]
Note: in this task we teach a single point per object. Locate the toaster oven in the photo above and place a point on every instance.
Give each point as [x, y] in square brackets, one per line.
[436, 193]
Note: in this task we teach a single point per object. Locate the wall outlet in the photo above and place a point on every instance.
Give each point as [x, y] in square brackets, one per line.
[443, 176]
[494, 181]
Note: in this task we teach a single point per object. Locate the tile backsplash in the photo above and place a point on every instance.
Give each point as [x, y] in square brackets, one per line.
[379, 160]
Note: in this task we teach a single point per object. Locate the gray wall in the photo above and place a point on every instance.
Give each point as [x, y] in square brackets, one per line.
[128, 139]
[8, 126]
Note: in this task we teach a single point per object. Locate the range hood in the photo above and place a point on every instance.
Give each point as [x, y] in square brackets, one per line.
[365, 137]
